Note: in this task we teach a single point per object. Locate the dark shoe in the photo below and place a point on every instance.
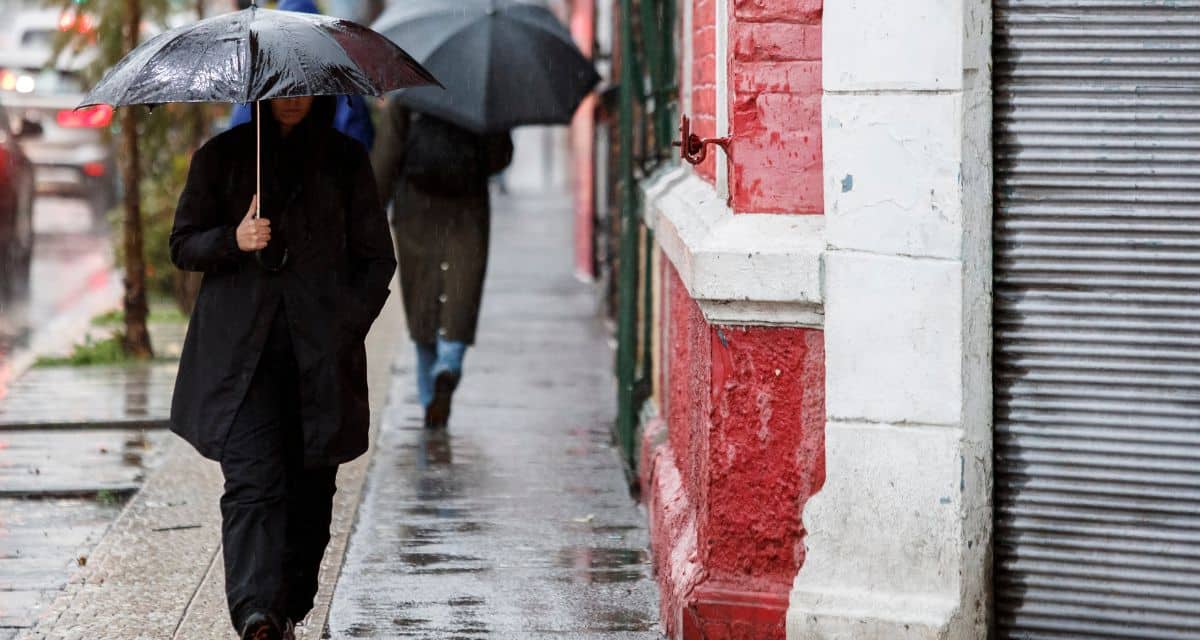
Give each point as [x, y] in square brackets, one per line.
[261, 626]
[437, 414]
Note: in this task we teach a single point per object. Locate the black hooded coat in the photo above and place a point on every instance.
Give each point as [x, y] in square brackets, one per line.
[319, 193]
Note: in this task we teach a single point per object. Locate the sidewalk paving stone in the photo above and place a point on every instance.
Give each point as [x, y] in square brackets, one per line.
[77, 462]
[40, 542]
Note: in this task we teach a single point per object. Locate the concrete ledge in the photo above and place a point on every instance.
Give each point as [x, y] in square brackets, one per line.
[750, 269]
[818, 615]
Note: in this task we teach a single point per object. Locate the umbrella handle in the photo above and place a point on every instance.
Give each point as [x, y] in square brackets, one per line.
[258, 159]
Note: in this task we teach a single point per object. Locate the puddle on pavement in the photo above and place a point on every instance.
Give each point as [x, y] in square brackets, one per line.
[417, 536]
[616, 528]
[435, 511]
[602, 565]
[433, 559]
[620, 619]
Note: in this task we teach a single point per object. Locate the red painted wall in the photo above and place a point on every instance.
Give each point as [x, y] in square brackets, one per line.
[765, 453]
[774, 99]
[775, 77]
[727, 474]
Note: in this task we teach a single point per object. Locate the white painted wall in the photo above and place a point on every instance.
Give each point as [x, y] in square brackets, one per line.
[898, 538]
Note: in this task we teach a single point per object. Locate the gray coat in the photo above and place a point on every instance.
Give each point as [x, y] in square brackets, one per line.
[441, 241]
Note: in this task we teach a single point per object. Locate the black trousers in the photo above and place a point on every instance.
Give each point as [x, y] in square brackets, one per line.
[275, 513]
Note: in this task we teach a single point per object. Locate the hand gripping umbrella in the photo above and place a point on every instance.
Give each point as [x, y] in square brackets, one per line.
[506, 63]
[258, 54]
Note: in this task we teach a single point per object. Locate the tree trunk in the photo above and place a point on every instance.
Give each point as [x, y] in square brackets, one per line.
[137, 338]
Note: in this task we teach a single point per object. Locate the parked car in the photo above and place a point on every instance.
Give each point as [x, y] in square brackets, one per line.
[73, 155]
[16, 206]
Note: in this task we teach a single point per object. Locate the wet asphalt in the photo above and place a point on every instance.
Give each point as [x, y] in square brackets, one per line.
[517, 521]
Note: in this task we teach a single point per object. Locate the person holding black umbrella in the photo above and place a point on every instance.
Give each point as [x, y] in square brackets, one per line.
[504, 64]
[285, 305]
[436, 174]
[282, 217]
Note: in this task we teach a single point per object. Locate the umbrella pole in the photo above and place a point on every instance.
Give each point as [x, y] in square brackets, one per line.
[258, 158]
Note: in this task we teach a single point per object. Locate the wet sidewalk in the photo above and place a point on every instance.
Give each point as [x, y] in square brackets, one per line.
[516, 523]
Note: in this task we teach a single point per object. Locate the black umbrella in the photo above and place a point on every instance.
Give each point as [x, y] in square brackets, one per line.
[258, 54]
[506, 63]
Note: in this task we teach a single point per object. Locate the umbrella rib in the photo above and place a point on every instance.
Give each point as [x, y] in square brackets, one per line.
[534, 31]
[212, 42]
[121, 96]
[374, 87]
[207, 47]
[168, 45]
[412, 24]
[294, 56]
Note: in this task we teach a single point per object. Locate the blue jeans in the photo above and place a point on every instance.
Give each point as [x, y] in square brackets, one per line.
[433, 359]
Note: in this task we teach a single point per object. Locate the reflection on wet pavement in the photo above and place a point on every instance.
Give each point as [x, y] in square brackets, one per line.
[114, 395]
[75, 462]
[517, 522]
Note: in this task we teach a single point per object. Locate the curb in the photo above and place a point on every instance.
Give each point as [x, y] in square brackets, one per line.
[75, 425]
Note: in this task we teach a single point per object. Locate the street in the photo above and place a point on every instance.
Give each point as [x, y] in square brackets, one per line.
[72, 279]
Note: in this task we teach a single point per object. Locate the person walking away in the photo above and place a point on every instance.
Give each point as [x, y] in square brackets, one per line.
[272, 379]
[436, 176]
[353, 116]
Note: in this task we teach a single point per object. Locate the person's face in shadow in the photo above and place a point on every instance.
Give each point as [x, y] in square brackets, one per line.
[289, 112]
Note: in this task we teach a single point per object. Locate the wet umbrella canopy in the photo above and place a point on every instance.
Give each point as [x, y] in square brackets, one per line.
[504, 63]
[258, 54]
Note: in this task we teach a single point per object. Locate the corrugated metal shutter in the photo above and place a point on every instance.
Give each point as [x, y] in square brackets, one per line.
[1097, 318]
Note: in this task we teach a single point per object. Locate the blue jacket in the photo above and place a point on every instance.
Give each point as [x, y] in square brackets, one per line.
[352, 118]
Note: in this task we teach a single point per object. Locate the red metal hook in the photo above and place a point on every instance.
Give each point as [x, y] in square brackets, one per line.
[696, 149]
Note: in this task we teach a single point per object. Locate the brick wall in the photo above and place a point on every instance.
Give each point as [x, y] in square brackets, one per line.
[775, 77]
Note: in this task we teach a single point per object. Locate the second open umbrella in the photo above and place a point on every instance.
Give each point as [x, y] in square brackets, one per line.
[504, 63]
